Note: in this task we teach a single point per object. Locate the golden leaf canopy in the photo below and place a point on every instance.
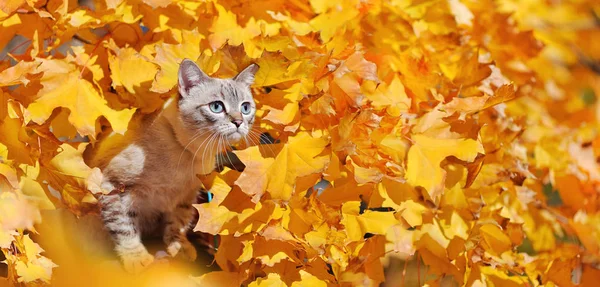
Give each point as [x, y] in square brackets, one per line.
[406, 142]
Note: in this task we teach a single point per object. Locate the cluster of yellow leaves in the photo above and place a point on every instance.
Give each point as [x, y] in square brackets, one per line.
[461, 133]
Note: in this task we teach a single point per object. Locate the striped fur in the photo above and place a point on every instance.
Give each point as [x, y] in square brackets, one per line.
[157, 169]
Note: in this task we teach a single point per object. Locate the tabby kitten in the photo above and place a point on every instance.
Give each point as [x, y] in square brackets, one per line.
[157, 169]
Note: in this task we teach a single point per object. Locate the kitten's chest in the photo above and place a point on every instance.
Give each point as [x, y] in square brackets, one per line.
[166, 190]
[172, 179]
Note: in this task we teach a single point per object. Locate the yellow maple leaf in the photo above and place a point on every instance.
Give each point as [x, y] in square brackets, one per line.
[297, 27]
[299, 157]
[376, 222]
[350, 212]
[6, 237]
[455, 197]
[329, 23]
[17, 74]
[66, 89]
[246, 252]
[432, 238]
[424, 158]
[130, 69]
[34, 192]
[273, 70]
[308, 280]
[277, 232]
[29, 272]
[412, 212]
[475, 104]
[496, 241]
[356, 63]
[318, 237]
[357, 225]
[225, 28]
[457, 227]
[69, 162]
[219, 190]
[364, 175]
[37, 267]
[587, 228]
[168, 57]
[546, 152]
[218, 279]
[390, 97]
[271, 260]
[401, 240]
[16, 212]
[272, 280]
[283, 117]
[9, 173]
[86, 61]
[500, 278]
[212, 218]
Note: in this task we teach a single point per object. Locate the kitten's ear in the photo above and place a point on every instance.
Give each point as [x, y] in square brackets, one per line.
[190, 75]
[247, 75]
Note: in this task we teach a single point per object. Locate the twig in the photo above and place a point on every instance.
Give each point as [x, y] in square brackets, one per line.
[15, 48]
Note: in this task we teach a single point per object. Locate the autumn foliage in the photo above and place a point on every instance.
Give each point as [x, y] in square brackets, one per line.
[461, 135]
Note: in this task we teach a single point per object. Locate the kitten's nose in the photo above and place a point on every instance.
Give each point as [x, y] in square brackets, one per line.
[237, 123]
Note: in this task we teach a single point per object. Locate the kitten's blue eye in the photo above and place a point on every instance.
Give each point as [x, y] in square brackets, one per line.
[246, 108]
[216, 107]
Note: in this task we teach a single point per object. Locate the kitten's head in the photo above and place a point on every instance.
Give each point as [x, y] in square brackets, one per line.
[211, 105]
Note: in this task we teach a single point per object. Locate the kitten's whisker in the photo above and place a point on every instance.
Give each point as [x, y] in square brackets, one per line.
[194, 138]
[218, 153]
[206, 148]
[258, 137]
[229, 158]
[269, 142]
[252, 141]
[194, 157]
[246, 141]
[215, 145]
[257, 144]
[197, 149]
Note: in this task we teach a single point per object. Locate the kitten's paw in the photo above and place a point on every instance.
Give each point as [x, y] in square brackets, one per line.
[173, 248]
[189, 251]
[136, 263]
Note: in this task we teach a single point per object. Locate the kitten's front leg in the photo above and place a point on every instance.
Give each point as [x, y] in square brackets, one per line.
[122, 224]
[177, 224]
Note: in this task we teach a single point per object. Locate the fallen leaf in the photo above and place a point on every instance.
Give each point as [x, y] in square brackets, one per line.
[299, 157]
[425, 156]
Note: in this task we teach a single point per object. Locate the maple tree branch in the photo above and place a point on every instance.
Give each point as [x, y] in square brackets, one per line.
[586, 61]
[15, 48]
[596, 17]
[79, 38]
[92, 53]
[590, 64]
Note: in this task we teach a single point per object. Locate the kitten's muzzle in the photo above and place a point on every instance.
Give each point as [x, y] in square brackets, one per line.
[236, 119]
[237, 123]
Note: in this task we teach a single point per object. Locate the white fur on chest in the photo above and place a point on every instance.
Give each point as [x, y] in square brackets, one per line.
[159, 173]
[160, 167]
